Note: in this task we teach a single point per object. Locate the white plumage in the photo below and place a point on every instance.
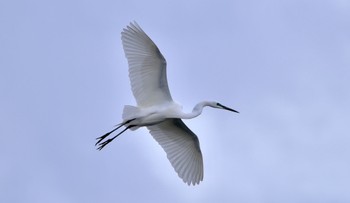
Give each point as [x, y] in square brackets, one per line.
[156, 109]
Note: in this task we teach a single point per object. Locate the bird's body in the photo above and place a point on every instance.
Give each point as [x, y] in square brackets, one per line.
[156, 109]
[150, 115]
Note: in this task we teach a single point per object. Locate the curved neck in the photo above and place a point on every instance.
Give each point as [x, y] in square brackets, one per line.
[197, 110]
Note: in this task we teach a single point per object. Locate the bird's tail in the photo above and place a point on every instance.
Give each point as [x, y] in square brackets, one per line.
[130, 113]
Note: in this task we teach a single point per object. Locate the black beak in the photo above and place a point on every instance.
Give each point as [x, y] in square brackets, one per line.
[226, 108]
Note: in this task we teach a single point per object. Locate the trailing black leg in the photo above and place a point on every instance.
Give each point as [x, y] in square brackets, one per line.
[99, 139]
[103, 144]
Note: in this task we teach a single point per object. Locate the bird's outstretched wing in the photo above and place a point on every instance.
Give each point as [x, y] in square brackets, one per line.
[147, 67]
[182, 148]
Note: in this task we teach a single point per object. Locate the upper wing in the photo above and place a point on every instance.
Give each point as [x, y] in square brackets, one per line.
[182, 148]
[147, 67]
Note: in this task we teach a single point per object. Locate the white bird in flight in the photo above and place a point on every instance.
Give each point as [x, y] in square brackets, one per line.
[156, 109]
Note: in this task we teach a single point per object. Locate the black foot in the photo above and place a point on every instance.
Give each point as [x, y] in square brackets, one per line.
[100, 139]
[103, 144]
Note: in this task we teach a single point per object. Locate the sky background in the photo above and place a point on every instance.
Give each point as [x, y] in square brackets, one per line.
[285, 65]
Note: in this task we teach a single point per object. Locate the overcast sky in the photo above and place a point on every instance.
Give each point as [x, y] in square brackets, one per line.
[285, 65]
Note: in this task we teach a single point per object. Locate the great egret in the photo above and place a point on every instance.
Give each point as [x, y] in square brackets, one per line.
[156, 109]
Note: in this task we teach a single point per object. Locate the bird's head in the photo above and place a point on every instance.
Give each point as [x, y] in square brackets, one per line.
[220, 106]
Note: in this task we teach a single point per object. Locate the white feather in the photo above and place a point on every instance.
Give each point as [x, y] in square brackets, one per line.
[147, 67]
[130, 112]
[182, 148]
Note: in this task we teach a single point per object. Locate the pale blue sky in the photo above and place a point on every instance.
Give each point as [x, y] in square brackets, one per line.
[285, 65]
